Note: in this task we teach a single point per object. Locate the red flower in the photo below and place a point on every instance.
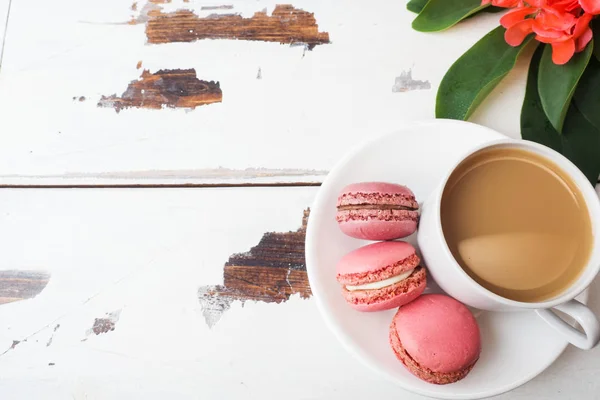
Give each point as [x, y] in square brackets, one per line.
[504, 3]
[590, 6]
[564, 24]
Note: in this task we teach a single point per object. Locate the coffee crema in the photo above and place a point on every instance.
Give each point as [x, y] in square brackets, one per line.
[516, 223]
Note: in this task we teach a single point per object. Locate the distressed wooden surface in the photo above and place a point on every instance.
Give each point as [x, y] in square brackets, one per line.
[200, 293]
[121, 318]
[271, 272]
[21, 285]
[284, 107]
[285, 25]
[174, 88]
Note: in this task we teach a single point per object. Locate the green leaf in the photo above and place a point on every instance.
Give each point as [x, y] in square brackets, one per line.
[587, 95]
[557, 83]
[581, 144]
[416, 6]
[534, 123]
[494, 9]
[473, 76]
[438, 15]
[580, 141]
[596, 32]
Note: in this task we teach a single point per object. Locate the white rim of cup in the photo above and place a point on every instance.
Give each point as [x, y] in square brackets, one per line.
[589, 195]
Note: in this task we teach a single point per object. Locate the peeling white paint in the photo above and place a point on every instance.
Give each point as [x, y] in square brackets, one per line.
[406, 83]
[213, 306]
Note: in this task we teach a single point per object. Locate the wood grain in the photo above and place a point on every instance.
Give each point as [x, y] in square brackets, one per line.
[286, 25]
[270, 272]
[21, 285]
[174, 88]
[263, 283]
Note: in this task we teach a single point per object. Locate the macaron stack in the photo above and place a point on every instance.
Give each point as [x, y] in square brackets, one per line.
[383, 275]
[434, 336]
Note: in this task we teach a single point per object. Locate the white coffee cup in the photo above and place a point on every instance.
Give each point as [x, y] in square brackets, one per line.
[457, 283]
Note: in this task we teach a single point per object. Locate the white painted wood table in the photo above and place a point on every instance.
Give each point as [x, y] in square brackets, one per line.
[152, 226]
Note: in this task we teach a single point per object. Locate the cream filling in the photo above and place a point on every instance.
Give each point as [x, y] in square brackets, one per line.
[381, 284]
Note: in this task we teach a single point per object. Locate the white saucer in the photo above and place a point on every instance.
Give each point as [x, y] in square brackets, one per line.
[515, 346]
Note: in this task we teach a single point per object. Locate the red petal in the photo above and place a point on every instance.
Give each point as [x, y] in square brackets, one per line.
[565, 5]
[583, 40]
[537, 3]
[542, 39]
[550, 19]
[582, 23]
[546, 39]
[550, 35]
[590, 6]
[505, 3]
[515, 16]
[484, 2]
[517, 33]
[563, 51]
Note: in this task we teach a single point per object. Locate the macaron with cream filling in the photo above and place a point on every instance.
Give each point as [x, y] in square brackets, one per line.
[377, 211]
[381, 276]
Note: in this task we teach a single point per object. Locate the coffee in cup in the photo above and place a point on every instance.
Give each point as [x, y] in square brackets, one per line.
[516, 223]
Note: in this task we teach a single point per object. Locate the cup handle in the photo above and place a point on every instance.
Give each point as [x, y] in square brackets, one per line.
[580, 313]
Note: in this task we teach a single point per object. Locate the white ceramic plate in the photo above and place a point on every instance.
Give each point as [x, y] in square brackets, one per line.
[515, 346]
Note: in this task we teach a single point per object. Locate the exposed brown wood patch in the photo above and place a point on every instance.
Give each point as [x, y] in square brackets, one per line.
[105, 324]
[138, 65]
[271, 271]
[174, 88]
[21, 285]
[287, 25]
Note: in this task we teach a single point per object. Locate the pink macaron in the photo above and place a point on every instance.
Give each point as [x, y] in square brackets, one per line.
[377, 211]
[381, 276]
[436, 338]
